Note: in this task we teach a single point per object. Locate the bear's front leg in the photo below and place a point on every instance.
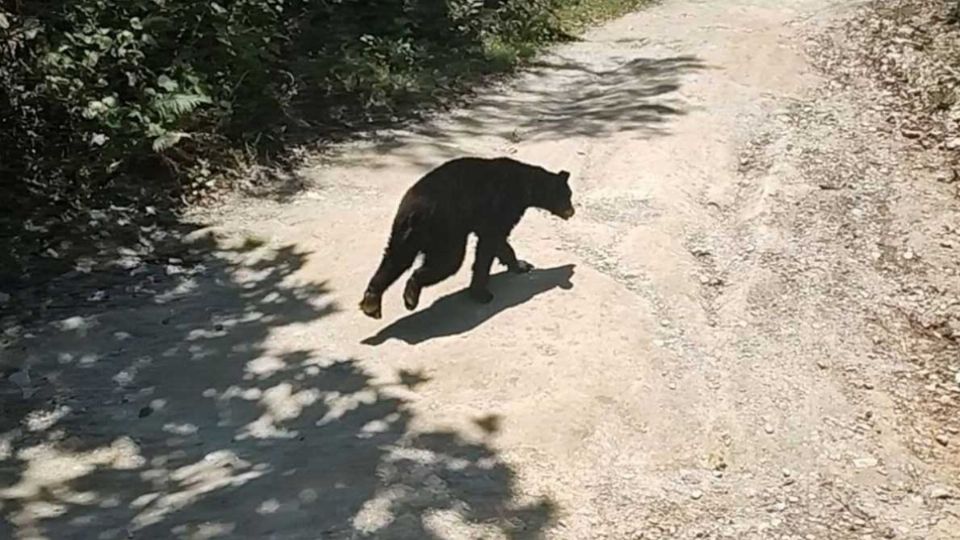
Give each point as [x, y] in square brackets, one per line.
[508, 258]
[479, 285]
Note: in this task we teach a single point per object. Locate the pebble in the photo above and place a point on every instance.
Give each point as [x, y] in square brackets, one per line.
[942, 439]
[822, 364]
[946, 177]
[940, 493]
[696, 495]
[911, 133]
[768, 428]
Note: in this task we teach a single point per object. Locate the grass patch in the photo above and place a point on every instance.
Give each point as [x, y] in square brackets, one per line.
[577, 16]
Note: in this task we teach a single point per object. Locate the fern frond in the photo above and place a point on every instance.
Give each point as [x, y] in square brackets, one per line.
[177, 105]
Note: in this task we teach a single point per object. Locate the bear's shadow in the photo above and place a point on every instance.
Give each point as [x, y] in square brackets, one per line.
[456, 313]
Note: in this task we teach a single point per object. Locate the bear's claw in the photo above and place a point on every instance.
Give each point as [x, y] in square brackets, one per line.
[411, 295]
[370, 306]
[522, 267]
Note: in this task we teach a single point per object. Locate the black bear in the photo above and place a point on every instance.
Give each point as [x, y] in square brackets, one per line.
[486, 197]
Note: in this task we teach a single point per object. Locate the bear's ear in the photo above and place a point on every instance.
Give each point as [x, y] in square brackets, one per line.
[564, 175]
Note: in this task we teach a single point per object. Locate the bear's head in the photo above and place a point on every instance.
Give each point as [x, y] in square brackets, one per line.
[555, 195]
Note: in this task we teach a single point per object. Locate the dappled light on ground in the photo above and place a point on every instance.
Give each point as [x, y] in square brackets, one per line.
[167, 414]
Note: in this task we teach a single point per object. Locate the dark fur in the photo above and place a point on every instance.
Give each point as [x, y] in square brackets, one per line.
[486, 197]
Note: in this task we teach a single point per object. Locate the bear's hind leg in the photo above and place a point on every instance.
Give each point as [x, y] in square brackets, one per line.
[396, 260]
[439, 263]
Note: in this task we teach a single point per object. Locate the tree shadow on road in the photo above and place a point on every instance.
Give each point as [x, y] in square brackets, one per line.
[169, 411]
[456, 313]
[559, 97]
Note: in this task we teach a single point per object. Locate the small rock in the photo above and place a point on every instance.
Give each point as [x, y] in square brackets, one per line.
[947, 177]
[911, 133]
[940, 493]
[942, 439]
[908, 255]
[822, 364]
[953, 144]
[696, 495]
[145, 412]
[768, 428]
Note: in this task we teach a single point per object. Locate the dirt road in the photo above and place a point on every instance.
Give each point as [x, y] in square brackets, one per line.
[693, 358]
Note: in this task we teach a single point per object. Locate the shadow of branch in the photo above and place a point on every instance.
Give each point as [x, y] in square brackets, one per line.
[172, 413]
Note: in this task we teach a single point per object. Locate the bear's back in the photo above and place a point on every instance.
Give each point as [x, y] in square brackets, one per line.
[472, 192]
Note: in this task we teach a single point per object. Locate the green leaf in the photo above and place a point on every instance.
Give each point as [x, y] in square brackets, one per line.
[168, 140]
[167, 83]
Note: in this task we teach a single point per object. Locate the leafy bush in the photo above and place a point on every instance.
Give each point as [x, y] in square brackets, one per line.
[95, 94]
[93, 86]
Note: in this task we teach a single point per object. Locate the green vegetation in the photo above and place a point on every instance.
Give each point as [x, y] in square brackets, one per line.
[108, 98]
